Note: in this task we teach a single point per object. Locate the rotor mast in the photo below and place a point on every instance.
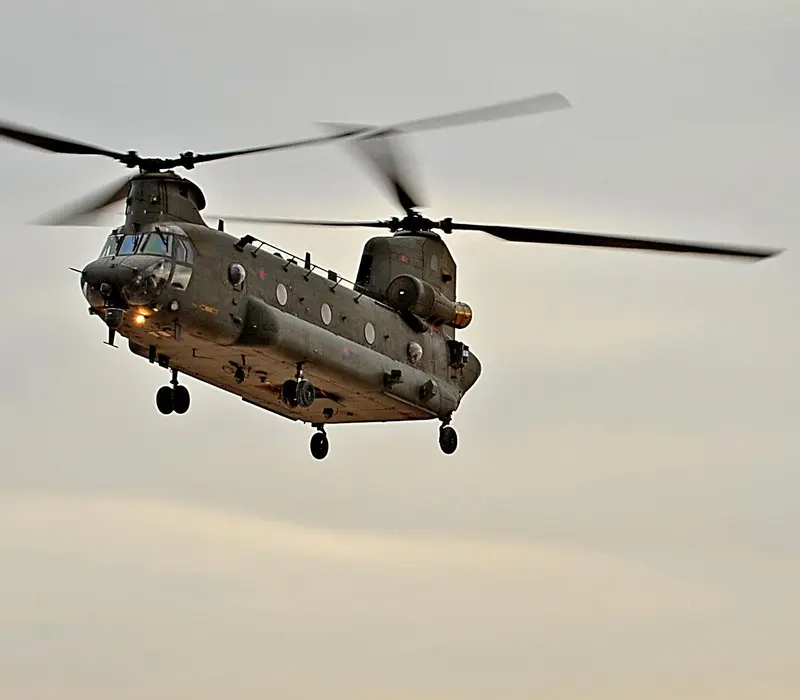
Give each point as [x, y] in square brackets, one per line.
[160, 196]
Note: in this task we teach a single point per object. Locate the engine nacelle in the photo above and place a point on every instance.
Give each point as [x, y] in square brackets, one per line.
[412, 295]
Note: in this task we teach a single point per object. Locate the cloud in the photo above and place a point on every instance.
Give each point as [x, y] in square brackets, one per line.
[170, 537]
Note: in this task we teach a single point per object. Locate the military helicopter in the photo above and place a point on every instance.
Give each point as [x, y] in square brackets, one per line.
[274, 328]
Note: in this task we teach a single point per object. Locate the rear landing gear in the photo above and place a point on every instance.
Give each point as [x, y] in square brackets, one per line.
[306, 393]
[319, 443]
[173, 399]
[448, 439]
[164, 400]
[180, 399]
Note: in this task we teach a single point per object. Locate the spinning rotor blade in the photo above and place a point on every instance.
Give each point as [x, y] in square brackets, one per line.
[386, 162]
[54, 144]
[374, 142]
[82, 212]
[574, 238]
[208, 157]
[537, 104]
[305, 222]
[58, 144]
[131, 159]
[538, 235]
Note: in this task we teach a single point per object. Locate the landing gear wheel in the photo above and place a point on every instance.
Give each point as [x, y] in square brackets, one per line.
[290, 392]
[448, 439]
[305, 393]
[180, 399]
[319, 445]
[173, 398]
[165, 400]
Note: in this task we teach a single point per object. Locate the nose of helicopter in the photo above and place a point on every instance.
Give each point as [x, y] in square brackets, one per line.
[120, 282]
[108, 276]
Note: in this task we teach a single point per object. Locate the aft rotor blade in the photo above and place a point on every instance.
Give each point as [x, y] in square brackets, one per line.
[387, 162]
[537, 104]
[54, 144]
[573, 238]
[306, 222]
[82, 212]
[383, 154]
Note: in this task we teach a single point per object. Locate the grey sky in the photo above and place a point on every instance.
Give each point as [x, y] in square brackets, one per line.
[620, 519]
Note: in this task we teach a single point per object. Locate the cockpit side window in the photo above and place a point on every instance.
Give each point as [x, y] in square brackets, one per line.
[190, 254]
[184, 256]
[180, 250]
[181, 277]
[183, 250]
[111, 245]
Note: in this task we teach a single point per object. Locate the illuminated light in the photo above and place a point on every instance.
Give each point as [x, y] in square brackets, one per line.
[139, 320]
[462, 315]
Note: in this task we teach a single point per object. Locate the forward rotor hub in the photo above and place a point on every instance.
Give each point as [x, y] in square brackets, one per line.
[416, 223]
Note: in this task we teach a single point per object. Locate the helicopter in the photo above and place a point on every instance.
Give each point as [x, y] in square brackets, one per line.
[274, 328]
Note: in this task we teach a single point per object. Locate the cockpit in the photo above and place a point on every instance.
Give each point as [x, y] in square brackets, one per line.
[165, 241]
[135, 268]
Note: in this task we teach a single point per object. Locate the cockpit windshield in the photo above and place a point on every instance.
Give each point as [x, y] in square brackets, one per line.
[156, 244]
[149, 243]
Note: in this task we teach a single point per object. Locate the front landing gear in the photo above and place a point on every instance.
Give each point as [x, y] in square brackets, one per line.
[319, 443]
[448, 439]
[298, 391]
[173, 399]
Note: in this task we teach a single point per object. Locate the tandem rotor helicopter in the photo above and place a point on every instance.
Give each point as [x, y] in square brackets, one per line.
[279, 331]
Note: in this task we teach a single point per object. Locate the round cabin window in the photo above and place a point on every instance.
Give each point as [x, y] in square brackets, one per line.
[369, 333]
[281, 294]
[414, 352]
[326, 313]
[236, 274]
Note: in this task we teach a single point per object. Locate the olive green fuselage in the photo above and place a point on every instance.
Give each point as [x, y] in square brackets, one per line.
[249, 318]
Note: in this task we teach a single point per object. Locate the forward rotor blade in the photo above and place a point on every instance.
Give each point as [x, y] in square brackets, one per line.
[537, 104]
[386, 161]
[572, 238]
[84, 211]
[57, 144]
[208, 157]
[54, 144]
[306, 222]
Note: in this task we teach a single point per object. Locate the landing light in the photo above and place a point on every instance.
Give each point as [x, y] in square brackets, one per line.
[139, 320]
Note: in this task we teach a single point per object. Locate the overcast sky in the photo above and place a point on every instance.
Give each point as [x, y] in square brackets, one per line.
[621, 517]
